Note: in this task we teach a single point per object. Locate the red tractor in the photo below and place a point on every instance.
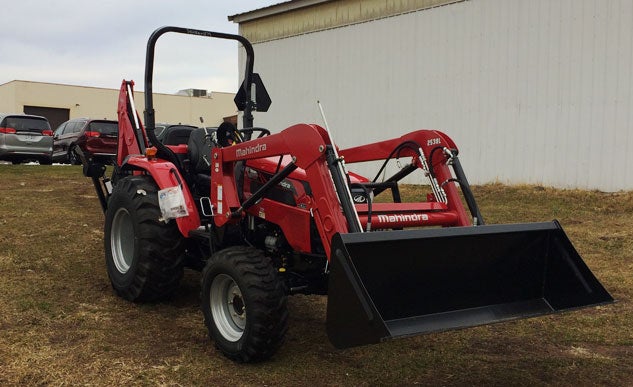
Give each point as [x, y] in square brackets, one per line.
[264, 216]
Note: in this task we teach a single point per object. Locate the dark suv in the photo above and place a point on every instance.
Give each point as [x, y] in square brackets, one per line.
[24, 137]
[173, 134]
[97, 139]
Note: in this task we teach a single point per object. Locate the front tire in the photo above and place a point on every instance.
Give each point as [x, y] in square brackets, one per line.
[73, 157]
[144, 255]
[244, 304]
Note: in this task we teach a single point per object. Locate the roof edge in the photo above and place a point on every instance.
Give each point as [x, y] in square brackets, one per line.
[274, 9]
[23, 81]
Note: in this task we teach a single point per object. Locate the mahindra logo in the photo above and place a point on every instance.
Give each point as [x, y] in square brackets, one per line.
[360, 198]
[402, 218]
[249, 150]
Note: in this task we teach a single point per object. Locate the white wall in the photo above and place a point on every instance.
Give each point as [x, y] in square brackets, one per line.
[532, 91]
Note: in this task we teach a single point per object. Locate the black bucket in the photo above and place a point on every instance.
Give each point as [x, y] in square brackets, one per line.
[390, 284]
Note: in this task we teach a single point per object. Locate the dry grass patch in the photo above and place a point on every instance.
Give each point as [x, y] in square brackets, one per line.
[61, 323]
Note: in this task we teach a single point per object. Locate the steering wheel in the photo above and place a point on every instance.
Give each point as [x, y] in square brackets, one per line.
[248, 132]
[227, 134]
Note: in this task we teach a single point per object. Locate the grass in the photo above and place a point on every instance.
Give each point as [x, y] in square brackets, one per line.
[61, 323]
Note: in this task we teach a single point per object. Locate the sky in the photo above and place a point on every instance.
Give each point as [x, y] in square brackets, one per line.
[99, 43]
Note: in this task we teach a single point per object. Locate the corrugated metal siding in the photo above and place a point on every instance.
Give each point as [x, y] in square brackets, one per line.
[536, 91]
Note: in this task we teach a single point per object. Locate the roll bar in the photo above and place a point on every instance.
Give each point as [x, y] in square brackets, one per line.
[150, 120]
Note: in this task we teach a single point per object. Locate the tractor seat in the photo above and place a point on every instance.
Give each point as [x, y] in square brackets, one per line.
[199, 146]
[177, 134]
[200, 143]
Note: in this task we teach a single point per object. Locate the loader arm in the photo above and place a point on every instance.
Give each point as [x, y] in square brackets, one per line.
[433, 152]
[308, 146]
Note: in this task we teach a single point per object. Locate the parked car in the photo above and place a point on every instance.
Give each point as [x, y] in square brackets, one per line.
[173, 134]
[25, 137]
[97, 139]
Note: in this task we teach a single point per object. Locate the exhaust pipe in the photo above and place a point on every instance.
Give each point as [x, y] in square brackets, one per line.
[390, 284]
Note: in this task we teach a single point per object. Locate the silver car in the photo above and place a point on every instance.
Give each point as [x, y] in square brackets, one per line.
[25, 137]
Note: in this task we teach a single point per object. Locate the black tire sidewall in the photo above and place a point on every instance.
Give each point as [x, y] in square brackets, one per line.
[230, 347]
[262, 293]
[157, 261]
[120, 281]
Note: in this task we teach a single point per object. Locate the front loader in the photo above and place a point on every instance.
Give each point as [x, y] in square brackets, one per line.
[264, 216]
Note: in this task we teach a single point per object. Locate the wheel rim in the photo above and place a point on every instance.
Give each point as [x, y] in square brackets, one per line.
[122, 240]
[227, 307]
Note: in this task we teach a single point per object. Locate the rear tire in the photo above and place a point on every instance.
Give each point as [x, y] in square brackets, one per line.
[244, 304]
[144, 255]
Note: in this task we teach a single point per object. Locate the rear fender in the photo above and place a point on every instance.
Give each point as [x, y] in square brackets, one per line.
[166, 175]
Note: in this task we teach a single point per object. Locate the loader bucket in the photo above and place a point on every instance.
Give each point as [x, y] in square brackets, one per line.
[390, 284]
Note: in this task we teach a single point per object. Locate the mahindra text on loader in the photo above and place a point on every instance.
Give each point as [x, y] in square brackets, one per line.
[264, 216]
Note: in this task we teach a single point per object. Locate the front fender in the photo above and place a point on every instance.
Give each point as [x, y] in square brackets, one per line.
[166, 175]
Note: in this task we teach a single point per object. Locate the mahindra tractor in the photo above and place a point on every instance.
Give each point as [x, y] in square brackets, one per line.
[267, 214]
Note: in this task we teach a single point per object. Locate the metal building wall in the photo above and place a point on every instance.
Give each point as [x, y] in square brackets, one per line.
[303, 16]
[532, 91]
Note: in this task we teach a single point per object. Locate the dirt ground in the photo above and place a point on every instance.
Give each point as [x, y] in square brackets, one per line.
[61, 323]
